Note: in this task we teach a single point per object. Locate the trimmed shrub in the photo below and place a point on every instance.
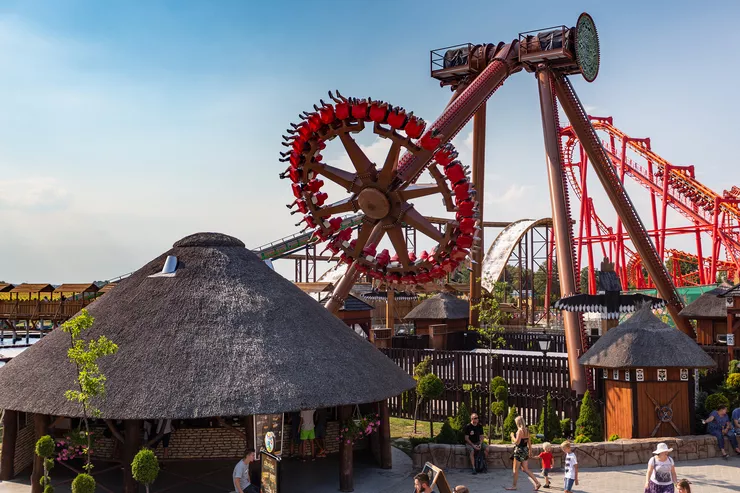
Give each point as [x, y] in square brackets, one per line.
[497, 382]
[448, 434]
[145, 467]
[553, 423]
[582, 439]
[461, 418]
[48, 489]
[509, 424]
[714, 401]
[614, 437]
[45, 447]
[501, 394]
[565, 430]
[83, 483]
[732, 367]
[589, 422]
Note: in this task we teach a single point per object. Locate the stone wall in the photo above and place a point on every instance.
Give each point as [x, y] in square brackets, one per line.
[24, 446]
[598, 454]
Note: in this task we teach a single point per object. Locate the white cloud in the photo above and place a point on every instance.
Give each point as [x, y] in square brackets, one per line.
[513, 193]
[32, 193]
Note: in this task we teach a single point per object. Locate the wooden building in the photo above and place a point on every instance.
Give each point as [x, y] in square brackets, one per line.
[206, 332]
[647, 368]
[732, 303]
[356, 314]
[439, 316]
[710, 313]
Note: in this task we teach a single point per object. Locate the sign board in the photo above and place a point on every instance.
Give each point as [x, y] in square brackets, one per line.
[437, 478]
[264, 424]
[270, 474]
[730, 339]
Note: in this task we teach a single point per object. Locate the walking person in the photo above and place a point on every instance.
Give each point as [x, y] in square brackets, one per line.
[165, 428]
[308, 433]
[546, 458]
[521, 441]
[661, 472]
[295, 434]
[570, 476]
[321, 418]
[718, 425]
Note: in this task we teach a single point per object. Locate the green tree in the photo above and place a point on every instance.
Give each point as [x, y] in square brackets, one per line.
[715, 400]
[540, 283]
[83, 483]
[584, 279]
[509, 423]
[498, 408]
[430, 387]
[90, 380]
[461, 418]
[490, 332]
[589, 421]
[45, 448]
[420, 371]
[553, 422]
[145, 468]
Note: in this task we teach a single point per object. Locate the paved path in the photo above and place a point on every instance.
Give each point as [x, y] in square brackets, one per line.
[706, 476]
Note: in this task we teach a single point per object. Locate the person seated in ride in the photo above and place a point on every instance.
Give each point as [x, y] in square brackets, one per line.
[718, 425]
[473, 432]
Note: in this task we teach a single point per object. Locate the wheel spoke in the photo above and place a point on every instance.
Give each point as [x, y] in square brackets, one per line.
[369, 232]
[336, 208]
[344, 179]
[359, 160]
[421, 223]
[418, 191]
[399, 245]
[390, 165]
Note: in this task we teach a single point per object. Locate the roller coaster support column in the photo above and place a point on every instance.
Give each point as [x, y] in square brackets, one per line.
[478, 175]
[620, 200]
[561, 229]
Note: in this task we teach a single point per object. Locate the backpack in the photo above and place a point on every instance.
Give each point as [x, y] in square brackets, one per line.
[480, 461]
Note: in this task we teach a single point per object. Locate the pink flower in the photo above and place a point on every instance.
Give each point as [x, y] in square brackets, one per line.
[348, 441]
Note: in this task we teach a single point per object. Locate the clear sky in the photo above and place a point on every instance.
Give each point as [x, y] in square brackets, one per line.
[125, 125]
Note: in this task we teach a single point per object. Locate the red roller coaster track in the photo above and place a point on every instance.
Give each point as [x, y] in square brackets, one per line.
[715, 215]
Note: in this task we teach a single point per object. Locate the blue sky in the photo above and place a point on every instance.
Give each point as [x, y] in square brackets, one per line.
[127, 125]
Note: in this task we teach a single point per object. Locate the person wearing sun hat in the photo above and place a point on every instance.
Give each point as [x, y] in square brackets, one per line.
[661, 473]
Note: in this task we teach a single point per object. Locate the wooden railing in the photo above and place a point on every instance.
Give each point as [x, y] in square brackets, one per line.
[41, 310]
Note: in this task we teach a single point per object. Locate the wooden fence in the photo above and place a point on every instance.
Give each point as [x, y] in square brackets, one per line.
[466, 376]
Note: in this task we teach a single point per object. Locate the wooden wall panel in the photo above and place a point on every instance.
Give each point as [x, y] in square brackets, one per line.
[662, 392]
[618, 409]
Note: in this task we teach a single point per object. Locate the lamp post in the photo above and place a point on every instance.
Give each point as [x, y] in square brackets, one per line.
[544, 340]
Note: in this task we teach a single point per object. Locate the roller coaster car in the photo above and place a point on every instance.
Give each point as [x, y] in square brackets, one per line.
[452, 64]
[552, 45]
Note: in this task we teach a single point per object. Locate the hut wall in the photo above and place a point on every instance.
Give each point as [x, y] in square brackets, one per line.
[708, 329]
[422, 325]
[619, 409]
[663, 392]
[24, 444]
[401, 309]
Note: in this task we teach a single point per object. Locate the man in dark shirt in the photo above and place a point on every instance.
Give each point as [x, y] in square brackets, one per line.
[473, 432]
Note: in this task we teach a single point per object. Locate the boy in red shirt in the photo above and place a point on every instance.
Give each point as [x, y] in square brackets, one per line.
[546, 457]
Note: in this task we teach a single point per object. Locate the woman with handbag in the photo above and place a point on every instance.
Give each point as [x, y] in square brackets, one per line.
[522, 444]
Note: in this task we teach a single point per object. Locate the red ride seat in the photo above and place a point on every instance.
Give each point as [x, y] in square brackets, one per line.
[342, 111]
[378, 112]
[454, 172]
[467, 226]
[327, 114]
[431, 140]
[397, 119]
[359, 109]
[415, 127]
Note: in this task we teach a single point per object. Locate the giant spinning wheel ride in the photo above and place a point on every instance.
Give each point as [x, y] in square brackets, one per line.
[383, 194]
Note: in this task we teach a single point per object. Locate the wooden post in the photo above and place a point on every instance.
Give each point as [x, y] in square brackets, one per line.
[385, 436]
[132, 434]
[40, 428]
[478, 176]
[249, 430]
[390, 307]
[346, 477]
[10, 434]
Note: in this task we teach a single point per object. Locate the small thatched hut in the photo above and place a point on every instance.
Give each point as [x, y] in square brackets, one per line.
[215, 334]
[710, 312]
[438, 316]
[647, 370]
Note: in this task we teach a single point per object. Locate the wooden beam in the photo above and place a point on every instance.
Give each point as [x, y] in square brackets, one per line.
[10, 435]
[486, 224]
[385, 436]
[131, 446]
[231, 428]
[40, 428]
[346, 476]
[114, 430]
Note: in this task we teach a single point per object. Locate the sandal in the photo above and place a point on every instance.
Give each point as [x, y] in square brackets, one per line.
[512, 488]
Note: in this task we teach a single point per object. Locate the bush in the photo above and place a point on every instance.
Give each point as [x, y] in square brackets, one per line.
[448, 435]
[509, 424]
[732, 367]
[145, 467]
[497, 382]
[589, 421]
[461, 418]
[714, 401]
[553, 423]
[614, 437]
[45, 447]
[414, 441]
[582, 439]
[498, 408]
[565, 430]
[501, 394]
[83, 483]
[422, 369]
[48, 489]
[557, 441]
[430, 386]
[733, 380]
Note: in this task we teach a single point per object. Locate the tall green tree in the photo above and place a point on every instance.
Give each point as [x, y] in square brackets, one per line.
[90, 381]
[420, 371]
[430, 387]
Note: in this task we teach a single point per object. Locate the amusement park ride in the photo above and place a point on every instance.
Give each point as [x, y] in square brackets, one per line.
[382, 195]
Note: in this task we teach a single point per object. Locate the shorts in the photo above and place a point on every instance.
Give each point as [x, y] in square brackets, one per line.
[165, 441]
[568, 484]
[470, 449]
[308, 434]
[546, 472]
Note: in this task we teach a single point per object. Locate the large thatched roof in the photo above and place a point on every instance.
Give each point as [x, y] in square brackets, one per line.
[442, 306]
[224, 336]
[644, 341]
[708, 305]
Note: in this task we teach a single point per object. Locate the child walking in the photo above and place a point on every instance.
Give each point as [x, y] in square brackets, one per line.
[571, 467]
[546, 458]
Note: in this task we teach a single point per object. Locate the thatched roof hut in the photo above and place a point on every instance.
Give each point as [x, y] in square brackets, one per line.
[708, 305]
[222, 335]
[644, 341]
[442, 306]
